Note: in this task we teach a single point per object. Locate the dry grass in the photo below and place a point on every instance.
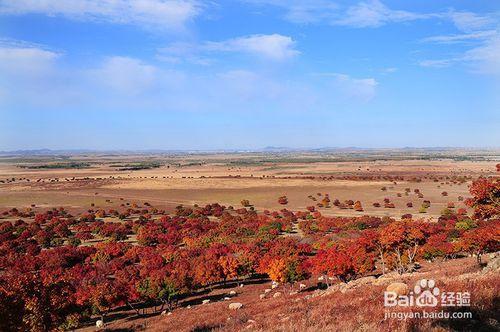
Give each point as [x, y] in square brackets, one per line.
[359, 309]
[208, 183]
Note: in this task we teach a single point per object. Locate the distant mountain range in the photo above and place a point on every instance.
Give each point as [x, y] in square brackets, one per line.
[268, 149]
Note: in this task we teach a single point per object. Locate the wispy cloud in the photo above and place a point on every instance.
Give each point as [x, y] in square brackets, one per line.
[163, 14]
[364, 14]
[459, 38]
[274, 47]
[303, 11]
[485, 58]
[125, 74]
[389, 70]
[29, 75]
[25, 61]
[468, 21]
[361, 89]
[373, 14]
[179, 52]
[17, 59]
[439, 63]
[127, 83]
[480, 33]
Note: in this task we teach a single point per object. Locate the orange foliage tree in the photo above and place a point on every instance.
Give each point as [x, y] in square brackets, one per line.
[485, 198]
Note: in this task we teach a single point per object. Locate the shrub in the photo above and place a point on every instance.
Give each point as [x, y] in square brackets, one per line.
[465, 224]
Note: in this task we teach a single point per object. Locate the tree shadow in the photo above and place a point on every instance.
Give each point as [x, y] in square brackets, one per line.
[196, 298]
[482, 320]
[205, 328]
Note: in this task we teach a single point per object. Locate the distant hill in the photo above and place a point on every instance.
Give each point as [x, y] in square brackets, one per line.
[267, 149]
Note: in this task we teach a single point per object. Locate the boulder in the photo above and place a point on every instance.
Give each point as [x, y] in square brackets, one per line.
[99, 324]
[387, 278]
[235, 306]
[493, 264]
[262, 296]
[232, 293]
[205, 302]
[277, 294]
[399, 288]
[361, 281]
[339, 287]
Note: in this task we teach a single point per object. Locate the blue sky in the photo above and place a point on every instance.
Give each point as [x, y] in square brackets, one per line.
[192, 74]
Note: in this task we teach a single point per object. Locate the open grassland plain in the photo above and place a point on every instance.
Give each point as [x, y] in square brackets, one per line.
[288, 241]
[79, 181]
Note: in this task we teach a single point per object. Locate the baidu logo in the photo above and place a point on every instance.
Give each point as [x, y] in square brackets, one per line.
[426, 294]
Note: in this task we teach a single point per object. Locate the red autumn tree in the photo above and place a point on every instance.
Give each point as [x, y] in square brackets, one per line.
[283, 200]
[346, 261]
[285, 261]
[485, 238]
[403, 239]
[485, 198]
[358, 207]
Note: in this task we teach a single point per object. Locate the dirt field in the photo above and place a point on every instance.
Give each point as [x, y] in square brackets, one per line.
[227, 179]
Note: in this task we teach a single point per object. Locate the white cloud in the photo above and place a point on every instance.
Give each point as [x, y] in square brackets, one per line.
[371, 14]
[126, 75]
[459, 38]
[474, 27]
[483, 59]
[311, 12]
[389, 70]
[41, 79]
[180, 49]
[346, 86]
[486, 58]
[480, 33]
[300, 11]
[246, 85]
[26, 65]
[362, 88]
[364, 14]
[467, 21]
[179, 52]
[29, 74]
[439, 63]
[374, 13]
[165, 14]
[274, 47]
[20, 60]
